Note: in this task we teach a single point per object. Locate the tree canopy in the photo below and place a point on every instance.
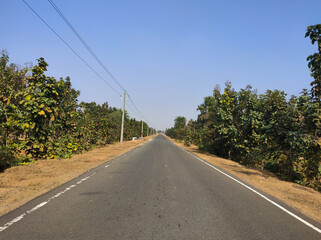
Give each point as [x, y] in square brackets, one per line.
[270, 131]
[40, 117]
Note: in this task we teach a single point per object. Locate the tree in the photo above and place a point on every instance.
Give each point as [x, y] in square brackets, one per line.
[314, 64]
[264, 131]
[40, 117]
[314, 32]
[180, 127]
[12, 85]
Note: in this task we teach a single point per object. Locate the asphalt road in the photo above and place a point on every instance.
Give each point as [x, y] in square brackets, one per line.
[156, 191]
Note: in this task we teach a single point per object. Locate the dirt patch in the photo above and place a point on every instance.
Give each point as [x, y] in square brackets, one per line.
[303, 199]
[20, 184]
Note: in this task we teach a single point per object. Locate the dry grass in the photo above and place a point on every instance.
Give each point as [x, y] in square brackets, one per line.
[20, 184]
[303, 199]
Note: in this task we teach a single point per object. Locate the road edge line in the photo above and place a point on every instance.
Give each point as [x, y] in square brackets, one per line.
[20, 217]
[256, 192]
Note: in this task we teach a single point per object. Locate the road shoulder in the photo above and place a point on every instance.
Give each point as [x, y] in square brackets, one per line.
[303, 199]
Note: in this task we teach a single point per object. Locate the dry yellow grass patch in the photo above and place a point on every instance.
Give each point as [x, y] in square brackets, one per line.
[303, 199]
[20, 184]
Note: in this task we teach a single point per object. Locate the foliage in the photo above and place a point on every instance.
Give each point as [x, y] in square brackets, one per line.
[40, 117]
[267, 131]
[179, 129]
[314, 61]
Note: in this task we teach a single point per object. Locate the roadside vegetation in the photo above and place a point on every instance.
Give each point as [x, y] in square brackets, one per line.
[268, 131]
[41, 118]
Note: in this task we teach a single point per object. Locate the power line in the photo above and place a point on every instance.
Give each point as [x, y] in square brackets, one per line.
[85, 44]
[90, 51]
[133, 111]
[94, 55]
[69, 47]
[137, 109]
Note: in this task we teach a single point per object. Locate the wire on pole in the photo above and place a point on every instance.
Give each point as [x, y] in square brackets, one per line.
[90, 51]
[70, 47]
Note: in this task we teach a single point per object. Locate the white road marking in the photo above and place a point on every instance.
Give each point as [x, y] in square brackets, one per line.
[36, 207]
[253, 190]
[17, 219]
[5, 226]
[8, 224]
[58, 194]
[84, 179]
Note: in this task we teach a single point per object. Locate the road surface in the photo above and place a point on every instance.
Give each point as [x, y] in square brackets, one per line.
[156, 191]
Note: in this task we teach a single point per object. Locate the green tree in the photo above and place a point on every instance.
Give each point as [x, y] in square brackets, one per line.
[314, 61]
[180, 127]
[12, 85]
[42, 99]
[40, 117]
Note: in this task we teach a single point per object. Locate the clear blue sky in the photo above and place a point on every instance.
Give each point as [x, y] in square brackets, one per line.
[169, 54]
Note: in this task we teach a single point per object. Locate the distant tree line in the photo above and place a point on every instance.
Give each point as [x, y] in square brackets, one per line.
[40, 117]
[267, 131]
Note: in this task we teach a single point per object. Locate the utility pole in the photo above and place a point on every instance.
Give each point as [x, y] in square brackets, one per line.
[142, 128]
[122, 119]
